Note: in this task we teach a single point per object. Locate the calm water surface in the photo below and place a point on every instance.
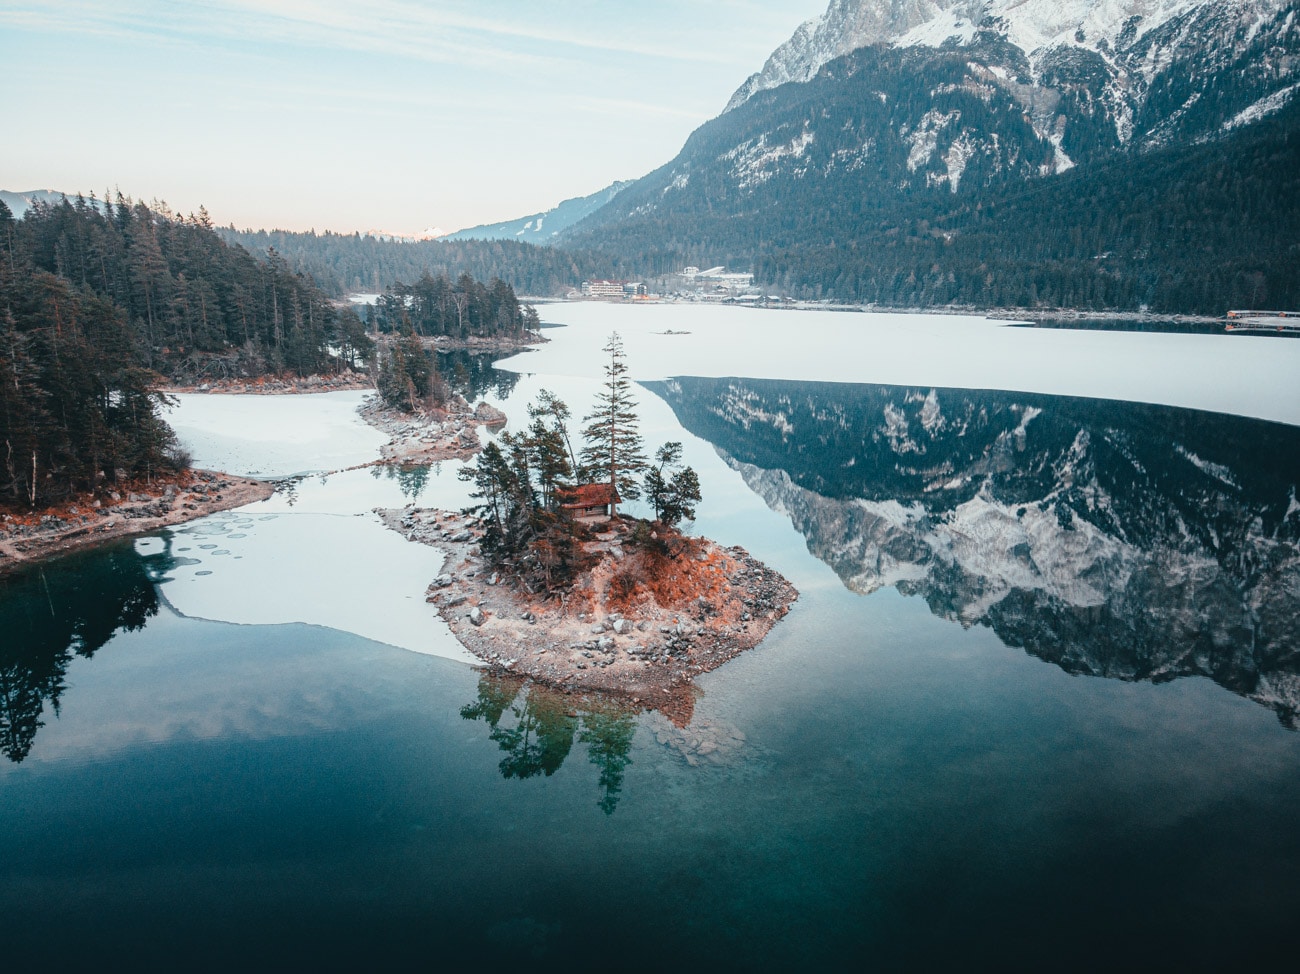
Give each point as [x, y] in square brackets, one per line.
[1033, 709]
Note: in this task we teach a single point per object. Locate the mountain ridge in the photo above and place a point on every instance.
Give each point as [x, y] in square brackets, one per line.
[542, 228]
[855, 183]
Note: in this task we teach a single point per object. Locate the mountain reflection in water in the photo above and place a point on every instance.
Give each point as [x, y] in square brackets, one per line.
[1115, 539]
[541, 726]
[55, 611]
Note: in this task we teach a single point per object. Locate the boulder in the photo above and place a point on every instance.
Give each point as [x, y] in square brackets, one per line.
[489, 415]
[476, 616]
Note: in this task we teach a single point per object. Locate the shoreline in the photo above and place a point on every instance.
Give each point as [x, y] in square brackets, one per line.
[26, 539]
[993, 314]
[139, 508]
[449, 432]
[695, 606]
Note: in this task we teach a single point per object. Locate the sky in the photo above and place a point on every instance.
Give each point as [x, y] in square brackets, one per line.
[392, 115]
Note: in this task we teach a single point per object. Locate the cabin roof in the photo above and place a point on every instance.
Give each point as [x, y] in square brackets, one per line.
[589, 495]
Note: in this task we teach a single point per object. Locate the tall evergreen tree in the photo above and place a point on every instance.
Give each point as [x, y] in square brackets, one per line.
[614, 450]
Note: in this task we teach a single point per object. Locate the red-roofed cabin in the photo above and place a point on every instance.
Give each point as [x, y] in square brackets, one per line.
[589, 502]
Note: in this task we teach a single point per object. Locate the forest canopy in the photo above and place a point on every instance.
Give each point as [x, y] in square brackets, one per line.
[101, 302]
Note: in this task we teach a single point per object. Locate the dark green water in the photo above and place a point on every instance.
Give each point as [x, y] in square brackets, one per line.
[955, 752]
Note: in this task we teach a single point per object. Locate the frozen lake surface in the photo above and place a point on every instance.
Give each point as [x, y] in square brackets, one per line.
[1242, 375]
[269, 437]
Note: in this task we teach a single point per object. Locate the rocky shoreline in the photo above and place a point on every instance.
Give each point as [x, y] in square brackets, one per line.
[449, 432]
[138, 509]
[276, 385]
[701, 605]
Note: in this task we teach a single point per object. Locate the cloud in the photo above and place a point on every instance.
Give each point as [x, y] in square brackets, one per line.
[443, 33]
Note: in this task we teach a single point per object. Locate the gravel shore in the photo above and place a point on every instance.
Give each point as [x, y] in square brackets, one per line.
[137, 509]
[703, 604]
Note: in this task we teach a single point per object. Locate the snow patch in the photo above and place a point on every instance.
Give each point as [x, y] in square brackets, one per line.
[959, 153]
[925, 137]
[1217, 471]
[948, 26]
[1262, 108]
[754, 162]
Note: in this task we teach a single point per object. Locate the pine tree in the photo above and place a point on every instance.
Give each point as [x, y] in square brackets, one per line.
[671, 489]
[614, 449]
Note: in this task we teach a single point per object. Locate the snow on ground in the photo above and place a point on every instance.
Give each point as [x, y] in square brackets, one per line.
[275, 436]
[1252, 376]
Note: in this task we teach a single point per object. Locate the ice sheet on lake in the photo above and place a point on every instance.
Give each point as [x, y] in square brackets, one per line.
[346, 572]
[275, 436]
[1251, 376]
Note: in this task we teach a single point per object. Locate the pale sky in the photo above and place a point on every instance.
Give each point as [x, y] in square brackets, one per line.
[394, 115]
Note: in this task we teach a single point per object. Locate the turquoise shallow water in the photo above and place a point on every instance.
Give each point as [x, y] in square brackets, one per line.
[976, 741]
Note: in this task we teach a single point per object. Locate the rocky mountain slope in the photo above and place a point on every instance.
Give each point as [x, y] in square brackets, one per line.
[1150, 69]
[1114, 539]
[893, 125]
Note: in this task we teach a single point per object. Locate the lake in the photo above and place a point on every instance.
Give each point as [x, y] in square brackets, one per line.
[1036, 706]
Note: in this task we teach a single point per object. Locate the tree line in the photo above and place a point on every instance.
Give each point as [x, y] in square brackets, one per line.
[79, 404]
[406, 371]
[344, 263]
[193, 306]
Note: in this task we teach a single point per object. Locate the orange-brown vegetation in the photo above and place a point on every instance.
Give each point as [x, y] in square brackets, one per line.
[118, 510]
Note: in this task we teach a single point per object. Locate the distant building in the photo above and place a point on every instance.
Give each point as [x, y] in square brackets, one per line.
[602, 289]
[614, 289]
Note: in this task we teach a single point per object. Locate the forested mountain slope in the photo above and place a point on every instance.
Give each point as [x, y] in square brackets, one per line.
[859, 176]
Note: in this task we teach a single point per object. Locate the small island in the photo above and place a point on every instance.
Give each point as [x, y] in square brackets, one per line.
[545, 579]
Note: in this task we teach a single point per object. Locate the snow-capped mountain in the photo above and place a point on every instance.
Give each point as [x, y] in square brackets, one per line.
[1119, 51]
[896, 140]
[543, 228]
[1113, 539]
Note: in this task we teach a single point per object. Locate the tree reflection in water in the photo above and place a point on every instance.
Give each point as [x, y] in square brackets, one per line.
[473, 375]
[53, 612]
[411, 478]
[536, 728]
